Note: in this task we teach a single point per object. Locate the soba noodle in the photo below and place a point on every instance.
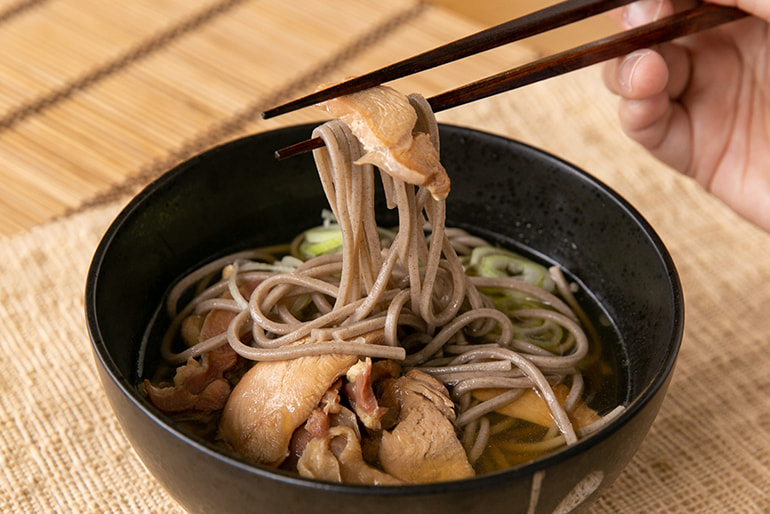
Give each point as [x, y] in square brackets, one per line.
[421, 287]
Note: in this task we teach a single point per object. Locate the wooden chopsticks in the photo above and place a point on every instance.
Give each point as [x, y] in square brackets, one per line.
[701, 17]
[531, 24]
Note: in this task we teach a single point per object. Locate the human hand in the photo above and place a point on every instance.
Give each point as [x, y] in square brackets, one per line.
[702, 103]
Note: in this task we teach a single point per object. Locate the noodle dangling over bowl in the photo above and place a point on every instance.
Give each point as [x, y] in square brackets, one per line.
[526, 327]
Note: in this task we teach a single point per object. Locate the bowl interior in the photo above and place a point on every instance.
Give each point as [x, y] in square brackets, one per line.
[238, 196]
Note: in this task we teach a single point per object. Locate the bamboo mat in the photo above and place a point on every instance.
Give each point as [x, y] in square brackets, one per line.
[94, 92]
[97, 98]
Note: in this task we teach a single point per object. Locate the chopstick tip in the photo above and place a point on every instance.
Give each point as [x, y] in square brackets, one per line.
[298, 148]
[271, 113]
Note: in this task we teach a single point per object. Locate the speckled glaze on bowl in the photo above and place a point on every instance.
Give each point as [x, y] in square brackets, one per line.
[238, 195]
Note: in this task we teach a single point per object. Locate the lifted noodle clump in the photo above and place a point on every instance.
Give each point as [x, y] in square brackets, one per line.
[383, 120]
[383, 357]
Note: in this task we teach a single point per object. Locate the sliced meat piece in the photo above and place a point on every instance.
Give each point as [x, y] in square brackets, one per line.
[361, 395]
[198, 385]
[215, 323]
[423, 446]
[197, 328]
[416, 164]
[383, 120]
[273, 399]
[337, 457]
[379, 116]
[174, 400]
[327, 414]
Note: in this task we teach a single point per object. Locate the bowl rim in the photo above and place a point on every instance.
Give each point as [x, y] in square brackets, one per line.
[659, 379]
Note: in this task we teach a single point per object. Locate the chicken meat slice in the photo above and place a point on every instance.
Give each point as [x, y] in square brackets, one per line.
[383, 120]
[275, 398]
[423, 446]
[337, 457]
[199, 386]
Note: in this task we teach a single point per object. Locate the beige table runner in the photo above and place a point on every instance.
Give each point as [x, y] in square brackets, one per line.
[102, 96]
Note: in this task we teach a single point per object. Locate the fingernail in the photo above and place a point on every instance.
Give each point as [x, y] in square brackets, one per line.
[642, 12]
[628, 69]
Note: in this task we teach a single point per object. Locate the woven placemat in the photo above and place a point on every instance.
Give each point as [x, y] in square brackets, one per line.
[170, 79]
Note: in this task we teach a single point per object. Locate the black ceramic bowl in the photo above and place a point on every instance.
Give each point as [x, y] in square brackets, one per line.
[238, 196]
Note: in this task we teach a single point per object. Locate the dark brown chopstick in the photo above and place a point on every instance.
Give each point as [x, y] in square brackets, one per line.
[702, 17]
[537, 22]
[699, 18]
